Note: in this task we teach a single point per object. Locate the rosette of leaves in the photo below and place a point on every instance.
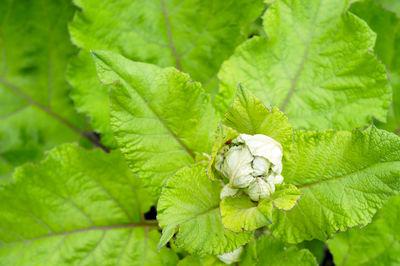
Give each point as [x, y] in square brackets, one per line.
[164, 123]
[248, 115]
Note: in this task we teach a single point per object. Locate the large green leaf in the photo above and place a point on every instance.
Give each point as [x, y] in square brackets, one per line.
[344, 178]
[35, 110]
[194, 36]
[190, 202]
[270, 251]
[161, 119]
[386, 25]
[316, 65]
[376, 244]
[78, 207]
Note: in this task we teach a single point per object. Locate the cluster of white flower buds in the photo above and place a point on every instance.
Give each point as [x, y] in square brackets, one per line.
[253, 165]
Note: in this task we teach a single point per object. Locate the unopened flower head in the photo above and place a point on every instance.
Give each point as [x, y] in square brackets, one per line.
[252, 163]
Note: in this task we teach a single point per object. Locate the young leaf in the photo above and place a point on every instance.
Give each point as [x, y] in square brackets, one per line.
[194, 36]
[241, 214]
[344, 178]
[161, 119]
[316, 65]
[376, 244]
[35, 111]
[250, 116]
[77, 206]
[271, 251]
[190, 201]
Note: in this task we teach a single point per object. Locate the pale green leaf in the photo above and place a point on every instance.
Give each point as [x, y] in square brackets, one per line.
[242, 214]
[271, 251]
[190, 200]
[161, 119]
[344, 177]
[376, 244]
[78, 207]
[194, 36]
[285, 197]
[316, 65]
[249, 115]
[35, 111]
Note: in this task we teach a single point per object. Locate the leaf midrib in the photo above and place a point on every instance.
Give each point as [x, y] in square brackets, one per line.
[148, 224]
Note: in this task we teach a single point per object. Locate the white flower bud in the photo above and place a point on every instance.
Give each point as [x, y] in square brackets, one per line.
[231, 257]
[227, 191]
[259, 189]
[253, 162]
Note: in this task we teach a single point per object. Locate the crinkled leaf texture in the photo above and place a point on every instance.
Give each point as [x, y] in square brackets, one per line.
[316, 65]
[376, 244]
[195, 36]
[190, 200]
[386, 24]
[161, 119]
[35, 111]
[270, 251]
[344, 178]
[78, 206]
[242, 214]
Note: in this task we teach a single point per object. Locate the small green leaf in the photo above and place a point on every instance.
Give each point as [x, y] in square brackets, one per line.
[161, 119]
[190, 200]
[167, 233]
[241, 214]
[285, 197]
[249, 115]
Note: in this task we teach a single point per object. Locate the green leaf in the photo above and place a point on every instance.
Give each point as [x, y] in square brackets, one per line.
[194, 36]
[78, 206]
[376, 244]
[249, 115]
[344, 178]
[241, 214]
[190, 200]
[271, 251]
[285, 197]
[35, 111]
[161, 119]
[386, 25]
[316, 65]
